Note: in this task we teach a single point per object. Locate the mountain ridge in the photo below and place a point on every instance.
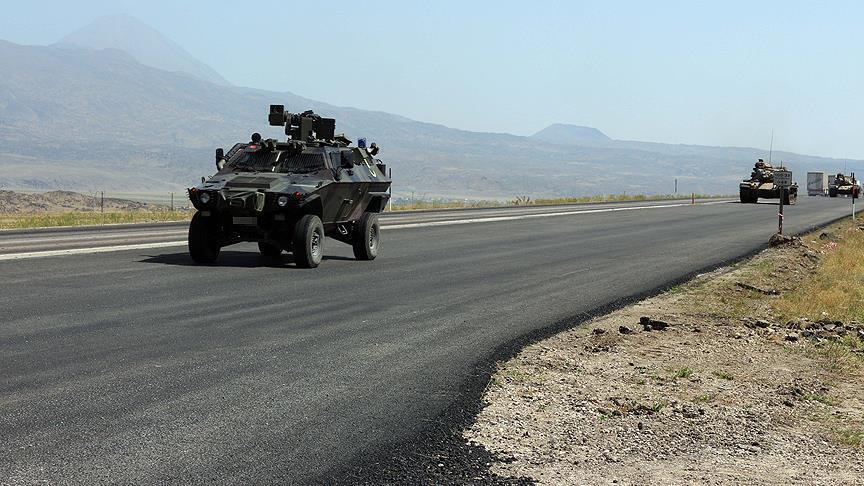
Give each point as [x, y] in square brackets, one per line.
[80, 119]
[566, 133]
[144, 43]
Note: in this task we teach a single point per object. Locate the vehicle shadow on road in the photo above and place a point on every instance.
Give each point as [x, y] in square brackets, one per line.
[236, 259]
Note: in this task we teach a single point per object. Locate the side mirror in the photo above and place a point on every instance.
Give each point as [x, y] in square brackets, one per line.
[220, 159]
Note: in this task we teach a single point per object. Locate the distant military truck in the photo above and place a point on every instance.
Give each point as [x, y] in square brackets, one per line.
[817, 184]
[761, 185]
[844, 185]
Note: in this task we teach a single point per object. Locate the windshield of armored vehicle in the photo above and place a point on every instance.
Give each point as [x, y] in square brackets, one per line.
[300, 163]
[277, 162]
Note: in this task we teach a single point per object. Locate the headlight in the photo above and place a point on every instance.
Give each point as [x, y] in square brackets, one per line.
[204, 198]
[282, 201]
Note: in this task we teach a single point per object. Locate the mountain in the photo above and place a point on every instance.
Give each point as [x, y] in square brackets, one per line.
[570, 134]
[85, 119]
[144, 43]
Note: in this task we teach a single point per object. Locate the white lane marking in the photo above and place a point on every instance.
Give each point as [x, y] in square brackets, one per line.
[97, 236]
[531, 216]
[84, 251]
[165, 244]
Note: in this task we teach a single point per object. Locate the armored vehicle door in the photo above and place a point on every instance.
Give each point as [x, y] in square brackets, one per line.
[344, 197]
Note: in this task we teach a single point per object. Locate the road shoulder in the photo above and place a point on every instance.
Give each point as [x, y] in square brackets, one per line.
[722, 384]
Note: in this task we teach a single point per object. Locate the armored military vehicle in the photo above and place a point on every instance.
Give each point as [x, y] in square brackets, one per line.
[845, 185]
[761, 184]
[288, 195]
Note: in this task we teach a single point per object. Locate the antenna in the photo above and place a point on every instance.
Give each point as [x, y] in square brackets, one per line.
[771, 147]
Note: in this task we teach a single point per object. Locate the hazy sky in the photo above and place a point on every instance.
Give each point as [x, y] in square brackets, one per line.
[716, 73]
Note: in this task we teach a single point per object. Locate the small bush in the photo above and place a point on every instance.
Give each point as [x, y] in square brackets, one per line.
[723, 375]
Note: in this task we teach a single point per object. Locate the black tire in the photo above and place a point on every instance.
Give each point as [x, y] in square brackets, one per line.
[308, 241]
[365, 239]
[269, 250]
[204, 244]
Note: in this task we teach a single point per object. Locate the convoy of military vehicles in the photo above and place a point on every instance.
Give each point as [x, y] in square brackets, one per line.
[289, 195]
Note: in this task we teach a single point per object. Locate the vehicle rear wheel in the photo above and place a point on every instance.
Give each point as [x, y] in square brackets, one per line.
[365, 237]
[269, 250]
[308, 241]
[204, 242]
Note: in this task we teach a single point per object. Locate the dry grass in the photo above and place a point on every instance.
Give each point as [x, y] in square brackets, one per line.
[527, 201]
[81, 218]
[423, 204]
[836, 291]
[623, 198]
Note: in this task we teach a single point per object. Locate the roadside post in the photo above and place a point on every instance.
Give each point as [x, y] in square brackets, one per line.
[855, 189]
[783, 180]
[390, 189]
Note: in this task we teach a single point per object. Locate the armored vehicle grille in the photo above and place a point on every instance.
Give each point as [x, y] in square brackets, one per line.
[251, 182]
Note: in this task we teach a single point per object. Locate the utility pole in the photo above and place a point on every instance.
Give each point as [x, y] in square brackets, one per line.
[172, 202]
[855, 190]
[676, 186]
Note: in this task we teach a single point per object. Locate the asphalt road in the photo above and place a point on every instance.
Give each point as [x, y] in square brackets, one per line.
[135, 366]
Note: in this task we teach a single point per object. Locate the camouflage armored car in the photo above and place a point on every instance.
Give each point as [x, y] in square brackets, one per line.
[761, 185]
[845, 185]
[288, 195]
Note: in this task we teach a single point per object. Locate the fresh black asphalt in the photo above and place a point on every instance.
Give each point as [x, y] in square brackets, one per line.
[139, 367]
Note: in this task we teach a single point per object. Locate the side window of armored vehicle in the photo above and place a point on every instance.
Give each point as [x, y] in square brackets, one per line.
[302, 163]
[335, 159]
[349, 157]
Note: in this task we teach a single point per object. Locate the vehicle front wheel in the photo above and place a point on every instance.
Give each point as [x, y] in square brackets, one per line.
[204, 242]
[365, 238]
[748, 196]
[308, 241]
[269, 250]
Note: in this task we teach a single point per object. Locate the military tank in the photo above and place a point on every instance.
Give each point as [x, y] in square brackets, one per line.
[846, 185]
[761, 185]
[287, 195]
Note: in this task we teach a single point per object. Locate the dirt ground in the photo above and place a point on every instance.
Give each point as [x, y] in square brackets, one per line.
[59, 201]
[715, 388]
